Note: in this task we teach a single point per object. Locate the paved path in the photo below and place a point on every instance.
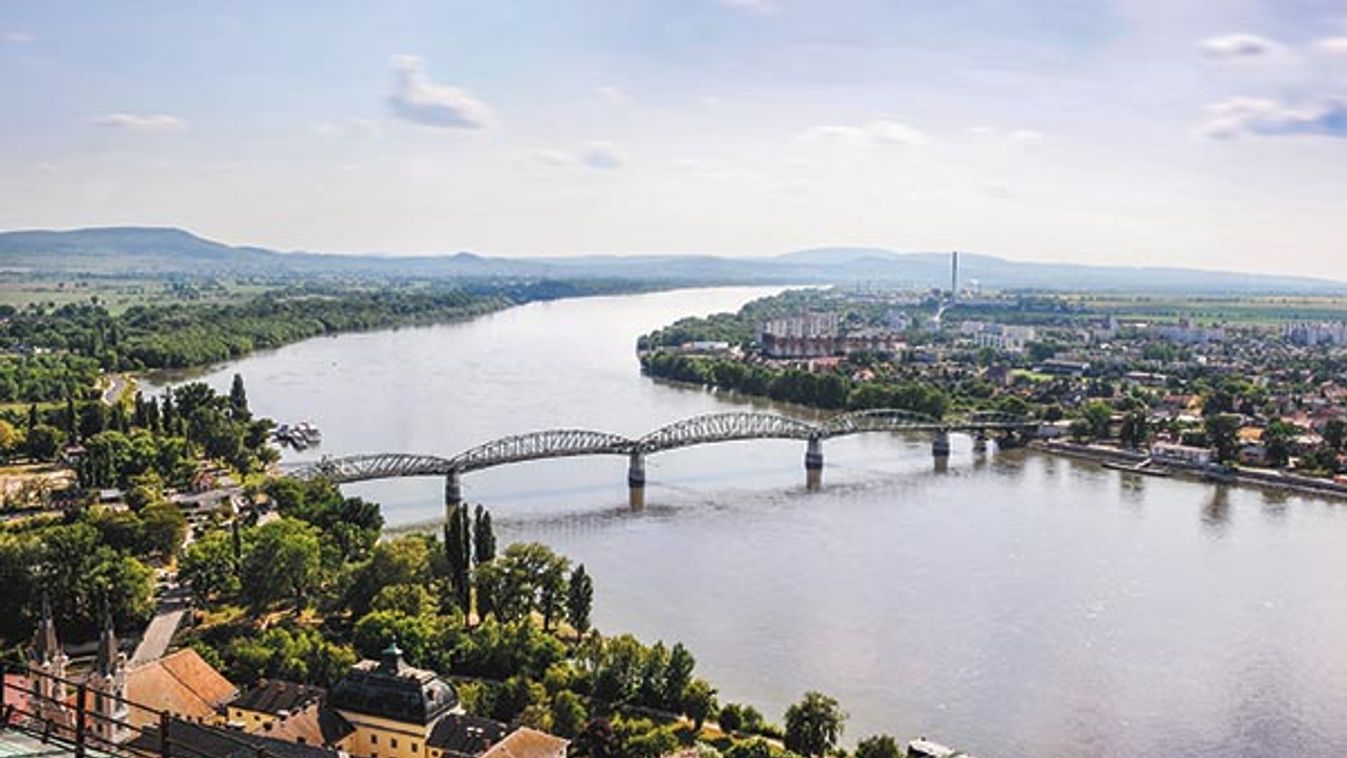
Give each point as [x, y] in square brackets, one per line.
[116, 386]
[153, 645]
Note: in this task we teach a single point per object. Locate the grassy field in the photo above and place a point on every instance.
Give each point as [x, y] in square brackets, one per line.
[117, 294]
[1249, 310]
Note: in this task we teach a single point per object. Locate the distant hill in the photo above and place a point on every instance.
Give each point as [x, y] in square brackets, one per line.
[143, 251]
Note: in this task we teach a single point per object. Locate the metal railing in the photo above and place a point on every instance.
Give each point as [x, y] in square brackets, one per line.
[89, 733]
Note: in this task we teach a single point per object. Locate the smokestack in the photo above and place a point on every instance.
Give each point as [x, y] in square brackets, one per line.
[954, 277]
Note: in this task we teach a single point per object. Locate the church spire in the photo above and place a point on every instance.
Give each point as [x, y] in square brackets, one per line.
[108, 649]
[45, 645]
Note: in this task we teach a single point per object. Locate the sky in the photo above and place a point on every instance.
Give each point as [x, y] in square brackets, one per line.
[1150, 132]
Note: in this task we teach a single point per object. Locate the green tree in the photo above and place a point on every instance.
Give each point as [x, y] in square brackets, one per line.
[568, 714]
[580, 600]
[677, 677]
[730, 717]
[1335, 430]
[9, 439]
[405, 560]
[1134, 432]
[1098, 417]
[43, 442]
[699, 702]
[283, 560]
[238, 400]
[1277, 439]
[878, 746]
[208, 567]
[483, 536]
[458, 551]
[1222, 434]
[165, 528]
[814, 724]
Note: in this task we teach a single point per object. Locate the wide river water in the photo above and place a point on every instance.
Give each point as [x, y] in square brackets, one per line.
[1014, 604]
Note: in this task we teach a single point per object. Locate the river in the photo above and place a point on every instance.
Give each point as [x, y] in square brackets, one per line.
[1014, 604]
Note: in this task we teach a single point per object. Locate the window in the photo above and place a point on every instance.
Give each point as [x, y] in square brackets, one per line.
[374, 739]
[393, 742]
[414, 747]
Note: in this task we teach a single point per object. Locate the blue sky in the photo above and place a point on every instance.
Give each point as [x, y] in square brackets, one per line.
[1189, 133]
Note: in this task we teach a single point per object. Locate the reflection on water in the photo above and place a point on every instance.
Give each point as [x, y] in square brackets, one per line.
[1011, 603]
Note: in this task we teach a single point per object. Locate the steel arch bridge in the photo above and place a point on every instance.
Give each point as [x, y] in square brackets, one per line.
[710, 428]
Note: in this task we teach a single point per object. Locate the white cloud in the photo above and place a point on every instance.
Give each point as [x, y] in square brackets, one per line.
[612, 93]
[1238, 116]
[1238, 45]
[599, 154]
[756, 7]
[873, 134]
[417, 99]
[15, 38]
[142, 122]
[1022, 136]
[1332, 45]
[352, 127]
[547, 157]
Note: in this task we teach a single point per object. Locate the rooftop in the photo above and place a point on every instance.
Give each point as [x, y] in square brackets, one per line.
[277, 697]
[389, 688]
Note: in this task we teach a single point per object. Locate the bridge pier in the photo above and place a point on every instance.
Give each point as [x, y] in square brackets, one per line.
[979, 441]
[940, 444]
[453, 492]
[636, 481]
[813, 465]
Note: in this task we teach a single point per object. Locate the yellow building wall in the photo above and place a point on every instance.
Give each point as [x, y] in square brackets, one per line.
[385, 738]
[253, 721]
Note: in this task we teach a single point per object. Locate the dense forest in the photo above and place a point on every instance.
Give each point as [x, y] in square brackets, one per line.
[56, 351]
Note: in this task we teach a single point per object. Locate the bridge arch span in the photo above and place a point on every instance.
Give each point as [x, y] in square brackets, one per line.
[725, 427]
[878, 420]
[359, 468]
[532, 446]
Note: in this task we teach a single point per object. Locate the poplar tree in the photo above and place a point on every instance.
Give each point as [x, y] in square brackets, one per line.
[458, 551]
[580, 600]
[483, 537]
[238, 400]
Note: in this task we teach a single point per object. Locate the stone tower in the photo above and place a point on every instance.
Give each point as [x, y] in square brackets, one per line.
[107, 685]
[47, 671]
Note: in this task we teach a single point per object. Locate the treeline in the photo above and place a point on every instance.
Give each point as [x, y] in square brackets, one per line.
[43, 378]
[89, 561]
[156, 443]
[452, 604]
[181, 335]
[87, 337]
[828, 390]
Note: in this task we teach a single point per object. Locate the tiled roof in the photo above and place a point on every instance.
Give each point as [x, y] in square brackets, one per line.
[274, 696]
[461, 735]
[528, 743]
[316, 724]
[188, 740]
[181, 683]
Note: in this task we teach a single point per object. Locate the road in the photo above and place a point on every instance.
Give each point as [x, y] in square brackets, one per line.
[117, 384]
[173, 604]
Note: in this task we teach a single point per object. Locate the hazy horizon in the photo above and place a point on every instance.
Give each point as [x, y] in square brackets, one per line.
[1205, 135]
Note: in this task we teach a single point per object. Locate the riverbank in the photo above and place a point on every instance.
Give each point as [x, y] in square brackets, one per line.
[1276, 480]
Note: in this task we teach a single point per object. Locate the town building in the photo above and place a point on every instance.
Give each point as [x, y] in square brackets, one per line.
[1311, 334]
[1186, 333]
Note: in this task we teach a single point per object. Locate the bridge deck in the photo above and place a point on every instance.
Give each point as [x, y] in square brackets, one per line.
[706, 429]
